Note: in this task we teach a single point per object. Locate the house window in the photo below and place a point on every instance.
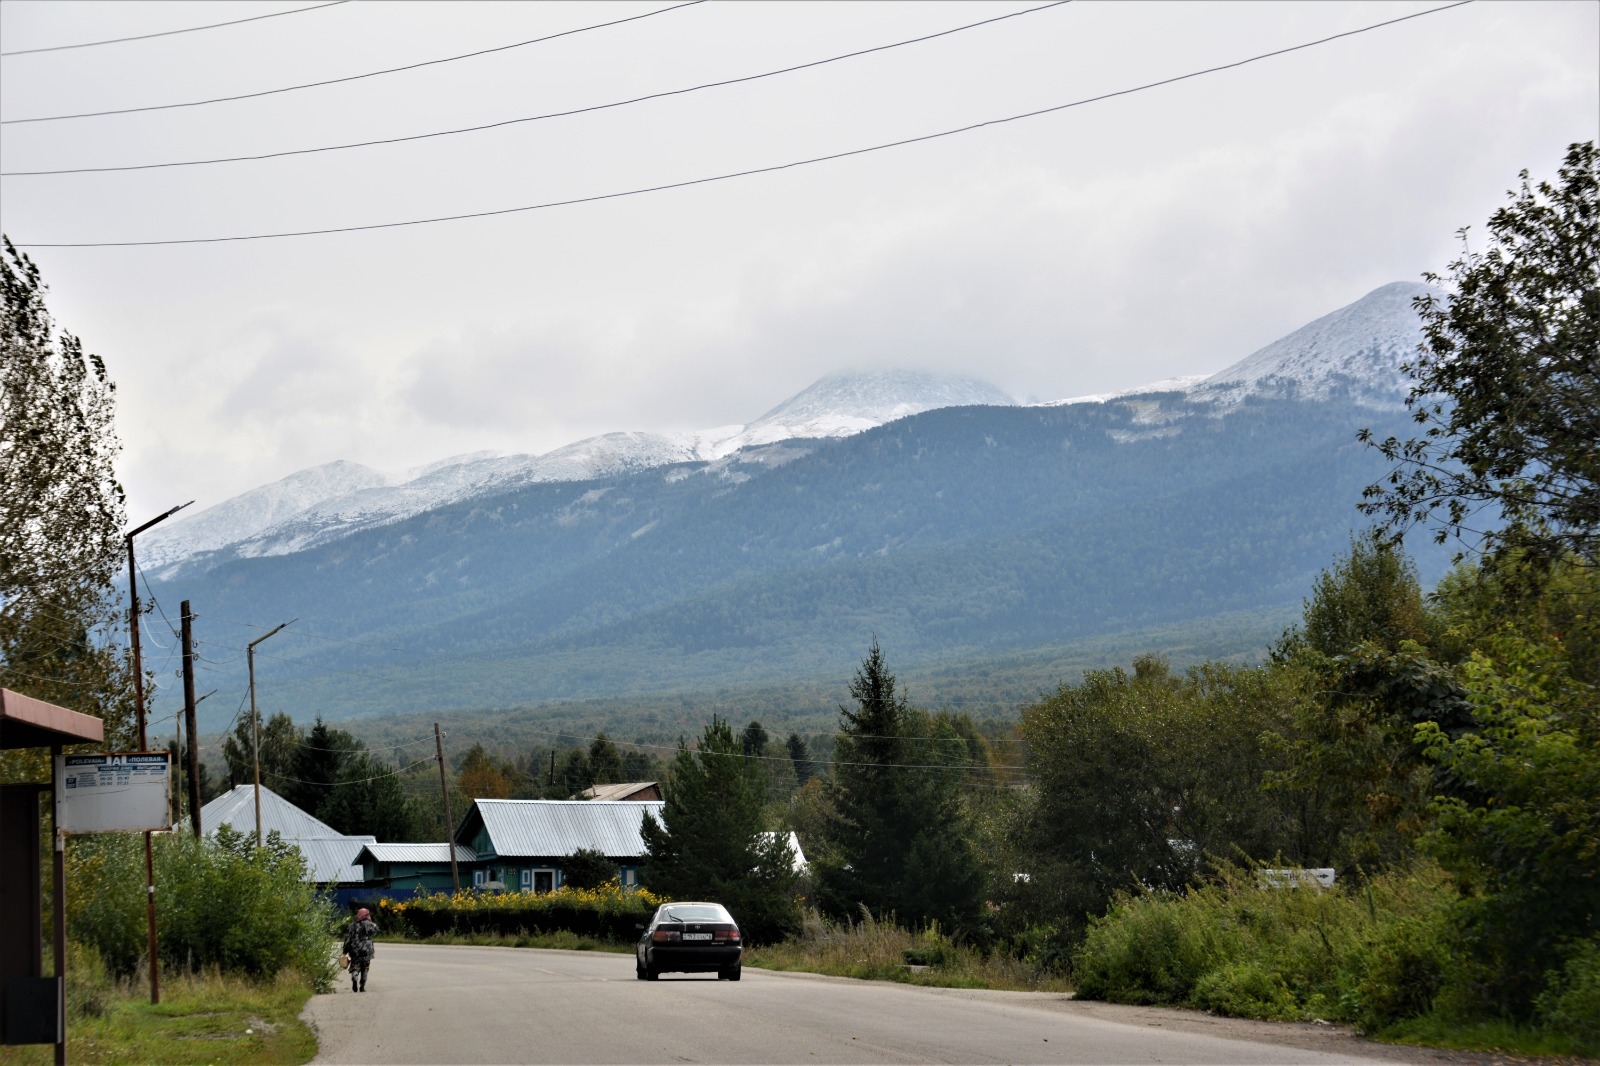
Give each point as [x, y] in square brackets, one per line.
[628, 876]
[527, 880]
[479, 878]
[543, 880]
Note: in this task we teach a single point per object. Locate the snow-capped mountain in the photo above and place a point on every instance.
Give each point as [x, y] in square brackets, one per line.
[261, 508]
[842, 404]
[1356, 352]
[316, 505]
[1357, 349]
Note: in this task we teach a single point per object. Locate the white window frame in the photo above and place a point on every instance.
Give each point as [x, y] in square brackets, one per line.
[480, 878]
[533, 877]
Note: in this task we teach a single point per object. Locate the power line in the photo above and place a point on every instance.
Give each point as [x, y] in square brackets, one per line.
[536, 118]
[171, 33]
[352, 77]
[744, 173]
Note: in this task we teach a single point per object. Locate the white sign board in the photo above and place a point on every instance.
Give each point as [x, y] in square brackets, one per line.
[121, 792]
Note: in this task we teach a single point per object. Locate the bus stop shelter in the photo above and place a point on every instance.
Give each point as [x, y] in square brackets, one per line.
[32, 1006]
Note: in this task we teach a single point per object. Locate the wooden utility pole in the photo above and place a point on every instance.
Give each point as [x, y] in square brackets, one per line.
[189, 718]
[144, 742]
[449, 822]
[255, 722]
[58, 905]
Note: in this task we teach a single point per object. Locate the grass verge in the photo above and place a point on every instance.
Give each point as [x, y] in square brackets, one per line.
[205, 1018]
[872, 950]
[1496, 1036]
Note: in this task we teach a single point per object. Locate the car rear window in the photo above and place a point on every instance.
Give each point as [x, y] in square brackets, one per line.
[695, 914]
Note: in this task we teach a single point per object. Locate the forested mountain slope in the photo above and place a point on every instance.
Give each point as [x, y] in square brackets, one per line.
[968, 532]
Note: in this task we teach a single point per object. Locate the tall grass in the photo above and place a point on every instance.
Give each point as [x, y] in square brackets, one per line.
[873, 949]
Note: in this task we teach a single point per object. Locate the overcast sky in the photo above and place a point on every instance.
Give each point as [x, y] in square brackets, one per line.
[1167, 232]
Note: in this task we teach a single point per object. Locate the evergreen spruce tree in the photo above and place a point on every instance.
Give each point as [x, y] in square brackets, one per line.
[898, 838]
[800, 756]
[710, 845]
[319, 759]
[755, 740]
[605, 765]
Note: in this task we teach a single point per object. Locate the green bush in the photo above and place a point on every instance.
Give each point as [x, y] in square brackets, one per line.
[1368, 954]
[220, 903]
[1570, 1005]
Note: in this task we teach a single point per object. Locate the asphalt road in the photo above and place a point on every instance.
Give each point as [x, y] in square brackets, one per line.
[446, 1004]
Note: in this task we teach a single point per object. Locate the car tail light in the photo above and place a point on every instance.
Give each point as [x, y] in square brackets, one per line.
[727, 936]
[664, 936]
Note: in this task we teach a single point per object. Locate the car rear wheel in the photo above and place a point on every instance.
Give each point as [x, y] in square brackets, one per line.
[638, 969]
[651, 973]
[729, 973]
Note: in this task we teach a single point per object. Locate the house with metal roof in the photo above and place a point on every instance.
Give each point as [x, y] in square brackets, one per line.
[521, 845]
[331, 856]
[402, 870]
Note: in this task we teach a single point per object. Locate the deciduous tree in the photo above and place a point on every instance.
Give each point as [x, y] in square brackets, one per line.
[1507, 383]
[61, 511]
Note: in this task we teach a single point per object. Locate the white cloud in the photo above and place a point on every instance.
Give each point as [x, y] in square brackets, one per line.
[1165, 233]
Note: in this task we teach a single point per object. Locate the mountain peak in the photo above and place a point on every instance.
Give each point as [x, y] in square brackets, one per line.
[852, 401]
[1360, 348]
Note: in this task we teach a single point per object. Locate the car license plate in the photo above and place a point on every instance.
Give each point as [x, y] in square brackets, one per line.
[697, 936]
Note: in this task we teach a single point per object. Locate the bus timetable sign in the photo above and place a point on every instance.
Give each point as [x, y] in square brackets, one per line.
[120, 792]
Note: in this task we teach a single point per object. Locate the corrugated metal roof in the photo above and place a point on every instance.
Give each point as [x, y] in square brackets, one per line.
[332, 860]
[553, 828]
[419, 853]
[330, 855]
[794, 845]
[237, 807]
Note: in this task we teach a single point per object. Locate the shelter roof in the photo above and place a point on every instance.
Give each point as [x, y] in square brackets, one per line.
[29, 723]
[553, 828]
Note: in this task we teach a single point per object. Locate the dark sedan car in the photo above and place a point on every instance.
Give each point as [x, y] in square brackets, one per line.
[690, 938]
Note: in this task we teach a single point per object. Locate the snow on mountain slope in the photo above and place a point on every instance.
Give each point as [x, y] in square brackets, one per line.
[245, 515]
[1358, 348]
[603, 456]
[842, 404]
[1183, 384]
[310, 508]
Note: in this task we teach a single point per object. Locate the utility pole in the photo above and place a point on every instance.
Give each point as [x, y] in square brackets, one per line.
[255, 721]
[189, 718]
[144, 742]
[449, 822]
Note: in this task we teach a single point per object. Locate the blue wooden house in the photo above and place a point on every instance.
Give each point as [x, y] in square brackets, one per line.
[521, 845]
[400, 871]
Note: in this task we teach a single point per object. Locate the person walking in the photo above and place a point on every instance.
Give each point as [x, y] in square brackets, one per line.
[359, 946]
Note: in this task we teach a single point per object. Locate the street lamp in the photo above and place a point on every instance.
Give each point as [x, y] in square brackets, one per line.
[144, 743]
[255, 719]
